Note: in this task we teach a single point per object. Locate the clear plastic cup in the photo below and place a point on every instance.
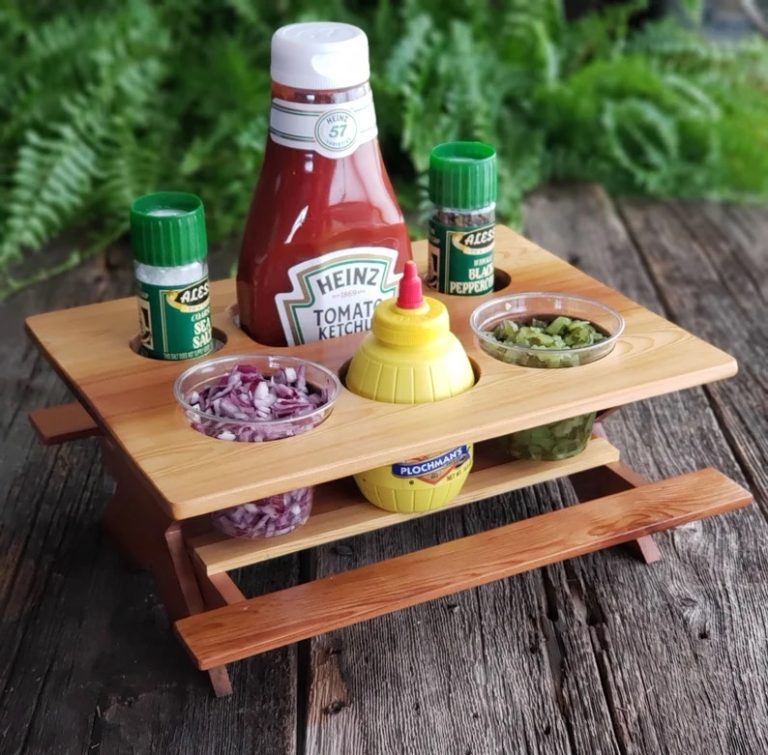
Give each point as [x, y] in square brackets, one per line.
[545, 305]
[564, 438]
[277, 514]
[556, 440]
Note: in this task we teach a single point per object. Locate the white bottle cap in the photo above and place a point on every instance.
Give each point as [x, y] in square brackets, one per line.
[319, 56]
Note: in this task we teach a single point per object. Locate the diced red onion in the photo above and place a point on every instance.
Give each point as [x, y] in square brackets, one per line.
[268, 517]
[247, 395]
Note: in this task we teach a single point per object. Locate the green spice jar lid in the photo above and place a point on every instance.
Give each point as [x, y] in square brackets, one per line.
[168, 229]
[463, 175]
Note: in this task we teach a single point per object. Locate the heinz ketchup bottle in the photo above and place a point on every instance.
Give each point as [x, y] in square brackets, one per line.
[325, 239]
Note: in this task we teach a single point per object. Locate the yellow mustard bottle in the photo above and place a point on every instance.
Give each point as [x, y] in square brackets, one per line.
[411, 357]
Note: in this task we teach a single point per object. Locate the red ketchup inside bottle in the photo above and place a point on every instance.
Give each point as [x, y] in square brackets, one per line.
[325, 239]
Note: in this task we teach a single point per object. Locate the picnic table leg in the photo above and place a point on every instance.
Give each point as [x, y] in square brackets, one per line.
[145, 534]
[610, 479]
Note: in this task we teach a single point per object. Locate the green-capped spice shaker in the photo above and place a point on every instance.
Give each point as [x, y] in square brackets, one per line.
[170, 249]
[462, 228]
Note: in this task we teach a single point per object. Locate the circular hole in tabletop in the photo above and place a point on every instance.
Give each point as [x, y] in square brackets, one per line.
[501, 279]
[219, 341]
[343, 372]
[233, 315]
[476, 369]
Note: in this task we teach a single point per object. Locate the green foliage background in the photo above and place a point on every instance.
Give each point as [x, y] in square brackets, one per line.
[107, 99]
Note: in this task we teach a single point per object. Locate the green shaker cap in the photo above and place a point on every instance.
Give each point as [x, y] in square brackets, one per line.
[463, 175]
[168, 229]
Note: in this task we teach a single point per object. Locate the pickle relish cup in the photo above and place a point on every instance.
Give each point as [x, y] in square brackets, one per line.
[564, 438]
[277, 514]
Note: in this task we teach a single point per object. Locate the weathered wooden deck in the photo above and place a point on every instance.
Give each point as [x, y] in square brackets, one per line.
[598, 655]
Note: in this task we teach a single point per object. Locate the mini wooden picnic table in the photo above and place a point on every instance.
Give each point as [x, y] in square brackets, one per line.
[169, 477]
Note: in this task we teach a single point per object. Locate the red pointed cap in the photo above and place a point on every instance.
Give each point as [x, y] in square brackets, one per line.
[410, 296]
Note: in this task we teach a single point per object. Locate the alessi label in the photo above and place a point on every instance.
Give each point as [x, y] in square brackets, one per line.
[332, 130]
[335, 294]
[433, 469]
[461, 259]
[175, 323]
[190, 299]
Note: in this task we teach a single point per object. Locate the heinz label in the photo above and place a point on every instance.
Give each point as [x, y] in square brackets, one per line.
[335, 294]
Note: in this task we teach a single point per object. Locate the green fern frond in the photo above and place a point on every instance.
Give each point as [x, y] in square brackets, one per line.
[128, 168]
[413, 45]
[244, 10]
[11, 283]
[693, 98]
[693, 9]
[529, 49]
[51, 183]
[643, 140]
[63, 38]
[107, 99]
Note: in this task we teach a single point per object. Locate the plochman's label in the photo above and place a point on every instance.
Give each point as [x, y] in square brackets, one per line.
[433, 469]
[335, 294]
[332, 130]
[175, 323]
[461, 259]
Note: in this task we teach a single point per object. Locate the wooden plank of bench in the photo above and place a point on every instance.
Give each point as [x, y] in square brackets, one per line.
[254, 626]
[58, 424]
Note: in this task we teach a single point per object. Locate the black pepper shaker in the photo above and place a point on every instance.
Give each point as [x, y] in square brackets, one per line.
[462, 228]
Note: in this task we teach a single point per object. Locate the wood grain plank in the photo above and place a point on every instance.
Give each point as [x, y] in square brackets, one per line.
[675, 652]
[339, 511]
[241, 630]
[711, 268]
[49, 557]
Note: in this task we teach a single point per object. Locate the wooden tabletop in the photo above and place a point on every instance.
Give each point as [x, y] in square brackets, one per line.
[132, 397]
[600, 654]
